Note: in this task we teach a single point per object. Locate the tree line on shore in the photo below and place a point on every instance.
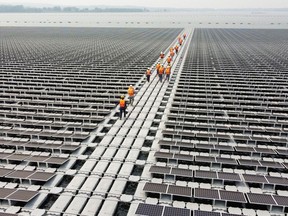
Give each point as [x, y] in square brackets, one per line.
[23, 9]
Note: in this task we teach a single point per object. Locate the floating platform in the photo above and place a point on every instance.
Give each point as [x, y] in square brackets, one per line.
[213, 140]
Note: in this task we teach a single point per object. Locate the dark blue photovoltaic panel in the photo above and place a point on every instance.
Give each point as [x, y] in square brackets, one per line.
[170, 211]
[149, 210]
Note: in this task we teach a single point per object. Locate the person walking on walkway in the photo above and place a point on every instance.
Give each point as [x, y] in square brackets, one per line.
[122, 104]
[176, 49]
[148, 74]
[158, 65]
[131, 94]
[161, 72]
[168, 72]
[172, 53]
[162, 55]
[169, 59]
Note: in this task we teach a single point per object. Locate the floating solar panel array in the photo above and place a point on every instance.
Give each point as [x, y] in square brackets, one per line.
[57, 87]
[224, 145]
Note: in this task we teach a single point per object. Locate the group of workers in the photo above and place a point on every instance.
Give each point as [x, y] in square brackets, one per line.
[161, 70]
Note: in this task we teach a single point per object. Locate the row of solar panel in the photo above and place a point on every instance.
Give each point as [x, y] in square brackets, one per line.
[213, 194]
[237, 149]
[224, 176]
[156, 210]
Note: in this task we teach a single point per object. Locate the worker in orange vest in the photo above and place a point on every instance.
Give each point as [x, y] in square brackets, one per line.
[161, 72]
[171, 49]
[172, 53]
[148, 74]
[162, 55]
[180, 42]
[122, 104]
[169, 59]
[184, 36]
[176, 49]
[131, 94]
[168, 72]
[158, 65]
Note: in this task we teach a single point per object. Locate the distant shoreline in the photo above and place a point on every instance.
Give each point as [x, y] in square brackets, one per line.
[98, 9]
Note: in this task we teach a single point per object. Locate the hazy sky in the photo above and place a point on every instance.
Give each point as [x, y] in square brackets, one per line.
[162, 3]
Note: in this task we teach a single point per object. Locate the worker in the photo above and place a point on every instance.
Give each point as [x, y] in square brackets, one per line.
[176, 49]
[122, 104]
[161, 72]
[180, 42]
[131, 94]
[179, 39]
[167, 72]
[148, 74]
[171, 49]
[172, 53]
[184, 36]
[158, 65]
[162, 57]
[169, 59]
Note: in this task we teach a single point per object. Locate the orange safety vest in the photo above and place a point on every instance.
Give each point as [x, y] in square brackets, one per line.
[171, 49]
[162, 55]
[172, 53]
[130, 91]
[158, 66]
[122, 103]
[168, 70]
[148, 72]
[169, 59]
[161, 70]
[176, 47]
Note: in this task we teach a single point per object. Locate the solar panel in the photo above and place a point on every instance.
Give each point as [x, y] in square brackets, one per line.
[153, 187]
[54, 160]
[229, 176]
[254, 178]
[182, 172]
[206, 174]
[277, 180]
[260, 199]
[17, 157]
[4, 192]
[180, 190]
[204, 159]
[20, 174]
[4, 172]
[271, 164]
[170, 211]
[157, 169]
[206, 213]
[228, 214]
[248, 162]
[183, 157]
[232, 196]
[163, 155]
[7, 214]
[22, 195]
[226, 161]
[206, 193]
[281, 200]
[41, 176]
[149, 210]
